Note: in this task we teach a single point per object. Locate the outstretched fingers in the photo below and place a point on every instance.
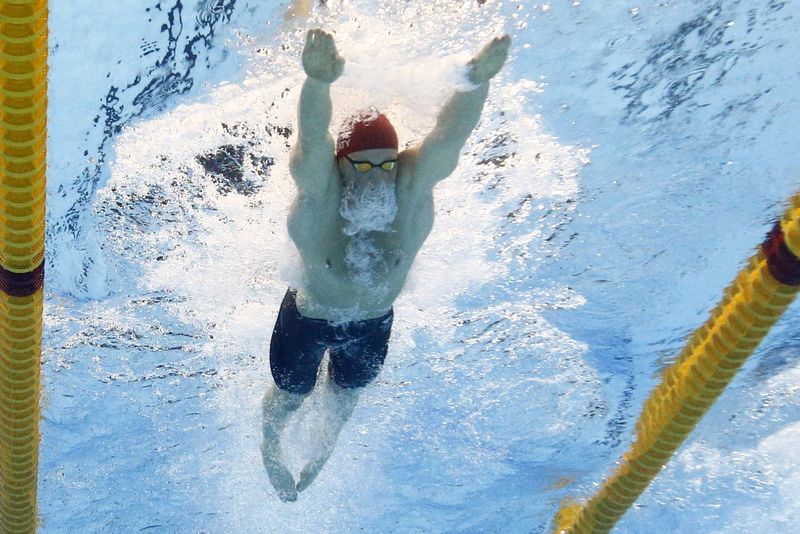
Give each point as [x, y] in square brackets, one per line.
[497, 50]
[318, 38]
[321, 61]
[489, 60]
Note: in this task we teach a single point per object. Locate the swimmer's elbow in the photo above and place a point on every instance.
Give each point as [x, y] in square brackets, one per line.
[310, 155]
[444, 167]
[437, 157]
[439, 165]
[296, 162]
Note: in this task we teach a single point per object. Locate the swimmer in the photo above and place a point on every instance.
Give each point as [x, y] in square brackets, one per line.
[362, 212]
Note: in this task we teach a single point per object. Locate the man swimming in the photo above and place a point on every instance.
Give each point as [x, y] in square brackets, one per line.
[362, 212]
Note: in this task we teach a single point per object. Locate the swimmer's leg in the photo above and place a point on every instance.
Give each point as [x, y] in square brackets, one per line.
[344, 402]
[278, 405]
[295, 352]
[352, 367]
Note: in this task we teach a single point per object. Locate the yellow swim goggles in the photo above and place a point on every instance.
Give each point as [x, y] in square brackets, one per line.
[366, 166]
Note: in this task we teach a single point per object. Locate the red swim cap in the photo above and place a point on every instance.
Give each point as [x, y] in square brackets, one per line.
[365, 130]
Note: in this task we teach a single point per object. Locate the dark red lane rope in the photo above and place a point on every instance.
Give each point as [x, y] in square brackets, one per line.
[22, 284]
[783, 265]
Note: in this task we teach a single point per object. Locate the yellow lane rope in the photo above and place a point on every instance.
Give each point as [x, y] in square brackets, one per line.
[23, 116]
[751, 305]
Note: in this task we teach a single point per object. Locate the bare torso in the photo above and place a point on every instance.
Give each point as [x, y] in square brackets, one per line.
[331, 289]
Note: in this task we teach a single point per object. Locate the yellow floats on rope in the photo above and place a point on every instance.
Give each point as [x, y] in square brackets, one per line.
[751, 305]
[23, 105]
[715, 352]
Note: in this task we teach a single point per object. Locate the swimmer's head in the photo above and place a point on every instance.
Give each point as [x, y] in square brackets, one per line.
[366, 153]
[368, 183]
[365, 130]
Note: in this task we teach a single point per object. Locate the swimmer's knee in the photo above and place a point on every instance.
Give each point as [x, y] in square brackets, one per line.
[295, 387]
[290, 397]
[347, 388]
[353, 377]
[352, 386]
[354, 381]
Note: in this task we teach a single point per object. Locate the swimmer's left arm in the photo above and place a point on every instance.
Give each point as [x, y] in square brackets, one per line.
[437, 156]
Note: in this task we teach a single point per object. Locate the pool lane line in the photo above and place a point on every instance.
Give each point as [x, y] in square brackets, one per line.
[23, 124]
[716, 351]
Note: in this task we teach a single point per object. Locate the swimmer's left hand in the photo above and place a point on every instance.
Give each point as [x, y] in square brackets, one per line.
[489, 61]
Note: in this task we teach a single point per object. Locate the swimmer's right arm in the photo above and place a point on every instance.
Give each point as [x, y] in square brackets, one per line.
[437, 156]
[312, 156]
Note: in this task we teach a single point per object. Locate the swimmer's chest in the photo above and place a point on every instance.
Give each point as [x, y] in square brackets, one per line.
[316, 229]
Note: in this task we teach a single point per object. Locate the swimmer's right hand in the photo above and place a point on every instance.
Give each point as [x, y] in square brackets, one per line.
[320, 59]
[489, 61]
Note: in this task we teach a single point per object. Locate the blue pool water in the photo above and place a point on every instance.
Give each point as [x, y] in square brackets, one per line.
[630, 158]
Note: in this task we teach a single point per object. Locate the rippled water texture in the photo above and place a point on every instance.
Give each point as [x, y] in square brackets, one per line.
[629, 159]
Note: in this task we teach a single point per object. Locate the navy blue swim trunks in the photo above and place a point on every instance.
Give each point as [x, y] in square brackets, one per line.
[357, 349]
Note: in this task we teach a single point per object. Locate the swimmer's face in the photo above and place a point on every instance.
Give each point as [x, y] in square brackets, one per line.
[374, 164]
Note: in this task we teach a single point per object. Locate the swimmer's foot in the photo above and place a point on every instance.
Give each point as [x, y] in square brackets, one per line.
[280, 477]
[309, 473]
